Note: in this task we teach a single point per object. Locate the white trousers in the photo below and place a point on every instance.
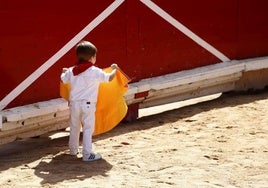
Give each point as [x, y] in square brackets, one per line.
[83, 114]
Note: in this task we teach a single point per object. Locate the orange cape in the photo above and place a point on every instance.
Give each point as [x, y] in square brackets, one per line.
[111, 107]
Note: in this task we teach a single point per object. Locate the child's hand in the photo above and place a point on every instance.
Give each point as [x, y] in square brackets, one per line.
[64, 70]
[114, 66]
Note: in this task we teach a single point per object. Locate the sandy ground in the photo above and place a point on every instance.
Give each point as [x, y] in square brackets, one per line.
[218, 143]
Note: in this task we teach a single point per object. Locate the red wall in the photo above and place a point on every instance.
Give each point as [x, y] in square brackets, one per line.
[138, 40]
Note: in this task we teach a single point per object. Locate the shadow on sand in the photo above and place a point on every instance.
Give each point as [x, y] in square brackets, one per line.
[74, 168]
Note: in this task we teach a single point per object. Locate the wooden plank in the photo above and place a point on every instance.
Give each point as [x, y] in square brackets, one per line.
[189, 76]
[256, 64]
[31, 131]
[43, 129]
[199, 92]
[172, 94]
[34, 120]
[31, 127]
[192, 86]
[1, 121]
[36, 109]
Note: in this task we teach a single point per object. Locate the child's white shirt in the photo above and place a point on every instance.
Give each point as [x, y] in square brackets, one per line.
[85, 86]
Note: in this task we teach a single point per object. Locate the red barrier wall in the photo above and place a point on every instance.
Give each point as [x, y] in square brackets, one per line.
[142, 43]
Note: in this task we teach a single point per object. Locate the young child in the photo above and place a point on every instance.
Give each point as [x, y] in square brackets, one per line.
[84, 79]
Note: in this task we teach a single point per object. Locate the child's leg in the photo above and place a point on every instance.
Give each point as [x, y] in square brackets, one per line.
[88, 121]
[75, 127]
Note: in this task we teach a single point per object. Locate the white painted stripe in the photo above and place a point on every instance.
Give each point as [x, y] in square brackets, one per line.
[185, 30]
[51, 61]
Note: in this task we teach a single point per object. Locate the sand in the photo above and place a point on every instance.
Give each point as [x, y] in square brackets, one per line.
[218, 143]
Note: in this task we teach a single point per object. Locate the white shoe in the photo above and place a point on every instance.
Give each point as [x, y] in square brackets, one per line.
[92, 157]
[73, 152]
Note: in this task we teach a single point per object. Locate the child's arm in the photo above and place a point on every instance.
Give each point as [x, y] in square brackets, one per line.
[112, 74]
